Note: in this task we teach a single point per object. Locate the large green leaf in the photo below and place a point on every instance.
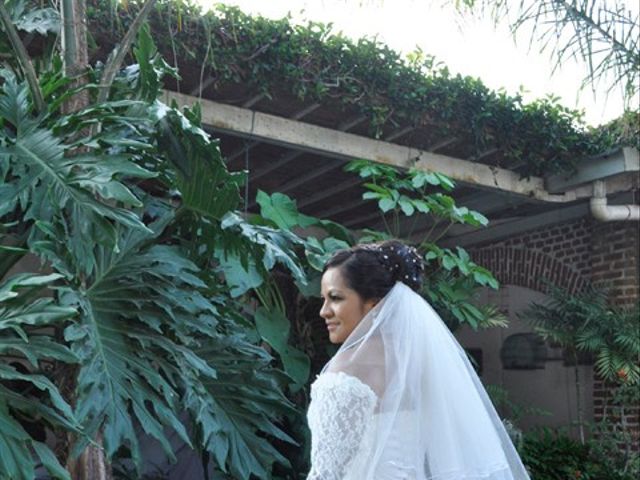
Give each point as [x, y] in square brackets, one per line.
[246, 397]
[42, 21]
[140, 313]
[23, 315]
[319, 251]
[38, 20]
[151, 67]
[77, 192]
[282, 211]
[277, 245]
[240, 279]
[203, 180]
[144, 326]
[273, 327]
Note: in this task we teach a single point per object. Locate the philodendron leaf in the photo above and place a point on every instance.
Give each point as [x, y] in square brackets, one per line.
[239, 278]
[206, 186]
[22, 348]
[282, 211]
[42, 21]
[273, 327]
[319, 252]
[277, 245]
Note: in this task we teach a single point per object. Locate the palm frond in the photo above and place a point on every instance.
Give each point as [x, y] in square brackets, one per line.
[602, 34]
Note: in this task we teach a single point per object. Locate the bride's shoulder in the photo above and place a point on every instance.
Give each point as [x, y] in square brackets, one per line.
[340, 381]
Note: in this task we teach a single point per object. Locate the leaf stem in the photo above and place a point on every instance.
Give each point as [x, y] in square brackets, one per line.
[117, 56]
[23, 58]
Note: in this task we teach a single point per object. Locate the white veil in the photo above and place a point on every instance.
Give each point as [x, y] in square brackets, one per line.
[434, 419]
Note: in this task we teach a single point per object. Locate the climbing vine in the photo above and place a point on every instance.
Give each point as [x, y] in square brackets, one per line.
[317, 64]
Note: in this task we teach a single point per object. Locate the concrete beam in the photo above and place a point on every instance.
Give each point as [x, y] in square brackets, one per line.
[295, 154]
[320, 140]
[623, 160]
[296, 116]
[328, 142]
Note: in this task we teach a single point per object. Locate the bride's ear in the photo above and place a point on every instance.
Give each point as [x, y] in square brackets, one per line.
[369, 304]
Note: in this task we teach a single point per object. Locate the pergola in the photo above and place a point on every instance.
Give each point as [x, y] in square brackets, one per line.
[300, 146]
[300, 149]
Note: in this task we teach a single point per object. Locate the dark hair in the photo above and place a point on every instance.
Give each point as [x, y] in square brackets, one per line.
[372, 269]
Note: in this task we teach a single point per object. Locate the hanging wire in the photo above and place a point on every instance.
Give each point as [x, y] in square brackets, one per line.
[246, 182]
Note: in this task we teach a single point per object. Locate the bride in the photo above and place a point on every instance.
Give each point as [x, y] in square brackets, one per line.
[399, 400]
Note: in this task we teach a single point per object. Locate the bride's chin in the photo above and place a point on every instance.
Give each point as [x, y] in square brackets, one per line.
[334, 338]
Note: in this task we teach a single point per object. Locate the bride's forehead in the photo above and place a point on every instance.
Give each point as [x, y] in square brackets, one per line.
[333, 279]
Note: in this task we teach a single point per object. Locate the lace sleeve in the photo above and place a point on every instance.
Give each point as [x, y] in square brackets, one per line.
[341, 409]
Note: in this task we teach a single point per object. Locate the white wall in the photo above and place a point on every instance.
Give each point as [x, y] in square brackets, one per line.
[552, 388]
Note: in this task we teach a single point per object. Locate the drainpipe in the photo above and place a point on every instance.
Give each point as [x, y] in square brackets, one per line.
[609, 213]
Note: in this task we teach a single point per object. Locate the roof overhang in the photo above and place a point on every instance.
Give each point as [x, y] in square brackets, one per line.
[306, 160]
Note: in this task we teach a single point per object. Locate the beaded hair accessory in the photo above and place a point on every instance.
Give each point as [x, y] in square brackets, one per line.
[392, 256]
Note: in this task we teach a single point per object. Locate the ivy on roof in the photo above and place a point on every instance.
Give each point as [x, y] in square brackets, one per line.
[318, 65]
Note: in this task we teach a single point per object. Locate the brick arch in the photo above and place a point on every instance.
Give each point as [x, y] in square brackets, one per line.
[527, 268]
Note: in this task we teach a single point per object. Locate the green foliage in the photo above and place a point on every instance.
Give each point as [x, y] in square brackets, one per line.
[452, 276]
[118, 200]
[411, 193]
[552, 455]
[25, 391]
[317, 65]
[274, 226]
[274, 327]
[613, 437]
[453, 297]
[205, 186]
[585, 322]
[282, 211]
[36, 20]
[274, 246]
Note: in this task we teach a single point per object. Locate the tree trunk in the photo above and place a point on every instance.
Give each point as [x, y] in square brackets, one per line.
[92, 463]
[75, 51]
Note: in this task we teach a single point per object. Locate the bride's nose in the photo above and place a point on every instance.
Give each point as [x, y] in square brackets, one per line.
[325, 311]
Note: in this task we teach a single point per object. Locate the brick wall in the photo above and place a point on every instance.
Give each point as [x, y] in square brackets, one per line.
[614, 260]
[605, 254]
[558, 253]
[615, 266]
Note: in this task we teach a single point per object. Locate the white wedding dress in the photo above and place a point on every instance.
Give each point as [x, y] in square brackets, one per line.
[343, 425]
[401, 401]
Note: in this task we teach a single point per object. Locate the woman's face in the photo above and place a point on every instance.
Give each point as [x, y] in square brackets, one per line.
[343, 308]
